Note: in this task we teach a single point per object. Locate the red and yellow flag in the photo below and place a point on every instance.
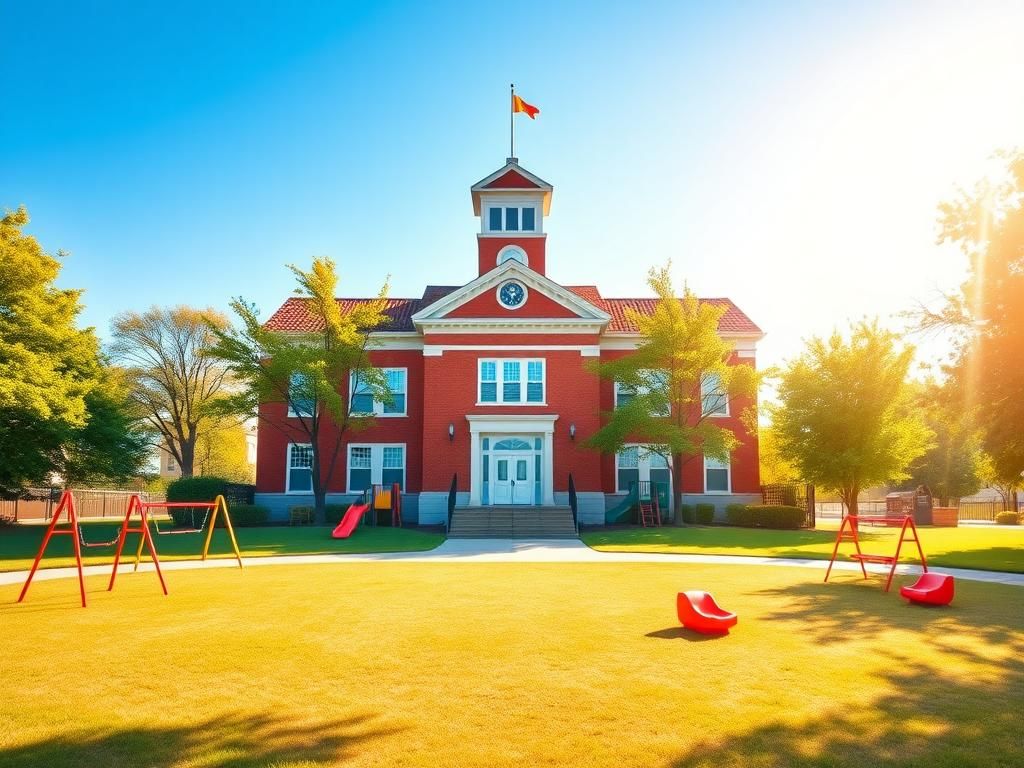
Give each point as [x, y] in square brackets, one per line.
[518, 105]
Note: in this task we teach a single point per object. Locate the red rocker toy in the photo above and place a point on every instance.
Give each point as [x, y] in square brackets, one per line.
[698, 611]
[931, 589]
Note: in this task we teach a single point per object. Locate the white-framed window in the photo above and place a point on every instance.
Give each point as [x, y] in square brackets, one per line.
[717, 476]
[635, 464]
[300, 468]
[512, 218]
[713, 400]
[363, 402]
[375, 464]
[625, 393]
[171, 466]
[511, 381]
[299, 402]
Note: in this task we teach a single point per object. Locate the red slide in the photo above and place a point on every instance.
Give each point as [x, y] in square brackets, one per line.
[349, 522]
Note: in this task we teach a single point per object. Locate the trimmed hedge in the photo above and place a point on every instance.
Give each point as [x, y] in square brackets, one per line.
[687, 513]
[739, 515]
[246, 515]
[1008, 517]
[705, 514]
[199, 488]
[776, 516]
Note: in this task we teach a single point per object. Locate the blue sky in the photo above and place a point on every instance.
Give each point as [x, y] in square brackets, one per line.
[790, 156]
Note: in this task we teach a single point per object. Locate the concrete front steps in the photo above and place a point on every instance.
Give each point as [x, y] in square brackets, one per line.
[512, 523]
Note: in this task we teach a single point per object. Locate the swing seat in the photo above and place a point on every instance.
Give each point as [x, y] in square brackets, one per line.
[930, 589]
[697, 610]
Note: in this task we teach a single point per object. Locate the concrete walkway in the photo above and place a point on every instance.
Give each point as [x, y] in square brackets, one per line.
[514, 551]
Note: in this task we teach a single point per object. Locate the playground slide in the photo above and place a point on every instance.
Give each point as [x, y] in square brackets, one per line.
[623, 511]
[349, 522]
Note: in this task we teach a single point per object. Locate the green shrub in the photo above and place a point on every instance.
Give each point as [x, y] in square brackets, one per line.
[687, 513]
[246, 516]
[1008, 518]
[205, 488]
[705, 514]
[739, 514]
[776, 516]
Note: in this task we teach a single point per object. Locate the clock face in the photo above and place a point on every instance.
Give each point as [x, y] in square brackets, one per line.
[512, 294]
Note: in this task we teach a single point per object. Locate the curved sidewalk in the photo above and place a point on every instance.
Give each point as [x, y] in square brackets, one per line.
[513, 551]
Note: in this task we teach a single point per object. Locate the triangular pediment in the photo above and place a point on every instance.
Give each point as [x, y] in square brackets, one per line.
[546, 303]
[511, 177]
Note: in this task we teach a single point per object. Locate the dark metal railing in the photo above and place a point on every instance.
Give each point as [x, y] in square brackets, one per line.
[574, 503]
[452, 493]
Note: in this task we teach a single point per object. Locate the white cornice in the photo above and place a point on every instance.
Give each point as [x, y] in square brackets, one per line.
[436, 312]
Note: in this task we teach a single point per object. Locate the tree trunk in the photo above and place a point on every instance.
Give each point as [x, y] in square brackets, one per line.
[319, 491]
[677, 488]
[849, 496]
[188, 457]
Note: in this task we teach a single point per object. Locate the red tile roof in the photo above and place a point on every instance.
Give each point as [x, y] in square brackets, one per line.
[293, 316]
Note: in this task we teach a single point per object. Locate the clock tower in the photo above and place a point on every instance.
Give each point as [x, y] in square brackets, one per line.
[512, 204]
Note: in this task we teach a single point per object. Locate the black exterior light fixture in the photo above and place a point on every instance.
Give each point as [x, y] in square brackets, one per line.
[572, 431]
[451, 433]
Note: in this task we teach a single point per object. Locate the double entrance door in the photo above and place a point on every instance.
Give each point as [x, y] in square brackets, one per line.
[513, 478]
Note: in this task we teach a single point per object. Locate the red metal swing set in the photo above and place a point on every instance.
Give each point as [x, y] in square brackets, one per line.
[848, 532]
[135, 506]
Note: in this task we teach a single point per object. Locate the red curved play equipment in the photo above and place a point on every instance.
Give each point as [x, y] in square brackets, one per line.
[349, 522]
[698, 611]
[932, 589]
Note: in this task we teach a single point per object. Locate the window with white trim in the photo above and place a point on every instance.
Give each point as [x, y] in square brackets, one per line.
[300, 468]
[363, 402]
[717, 476]
[713, 399]
[375, 464]
[300, 401]
[512, 218]
[627, 468]
[625, 393]
[512, 381]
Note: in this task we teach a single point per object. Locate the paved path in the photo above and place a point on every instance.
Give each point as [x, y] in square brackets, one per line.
[514, 551]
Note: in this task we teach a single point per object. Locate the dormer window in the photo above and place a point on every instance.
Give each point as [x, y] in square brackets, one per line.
[512, 219]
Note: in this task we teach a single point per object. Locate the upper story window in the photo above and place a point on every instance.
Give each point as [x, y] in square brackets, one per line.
[363, 402]
[300, 400]
[512, 218]
[624, 393]
[714, 401]
[511, 381]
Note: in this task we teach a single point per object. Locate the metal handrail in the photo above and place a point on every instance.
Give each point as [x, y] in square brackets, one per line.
[451, 501]
[574, 503]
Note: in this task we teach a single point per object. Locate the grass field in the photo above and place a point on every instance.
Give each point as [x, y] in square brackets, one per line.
[19, 543]
[403, 664]
[995, 548]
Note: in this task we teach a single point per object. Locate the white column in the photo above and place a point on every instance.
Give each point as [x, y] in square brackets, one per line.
[548, 486]
[475, 479]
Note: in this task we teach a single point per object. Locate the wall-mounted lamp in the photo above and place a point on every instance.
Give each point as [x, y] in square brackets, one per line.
[451, 433]
[572, 431]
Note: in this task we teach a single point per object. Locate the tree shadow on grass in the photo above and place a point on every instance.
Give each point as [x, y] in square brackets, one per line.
[923, 719]
[235, 741]
[849, 609]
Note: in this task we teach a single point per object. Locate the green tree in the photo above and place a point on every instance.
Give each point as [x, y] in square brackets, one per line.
[175, 380]
[223, 451]
[774, 468]
[48, 366]
[949, 467]
[309, 372]
[668, 414]
[1003, 478]
[988, 312]
[111, 447]
[845, 417]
